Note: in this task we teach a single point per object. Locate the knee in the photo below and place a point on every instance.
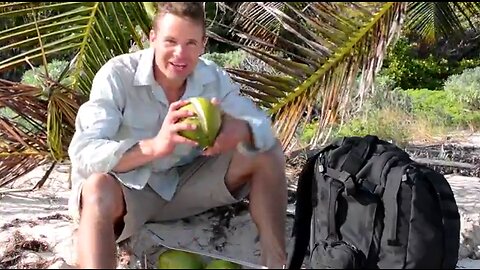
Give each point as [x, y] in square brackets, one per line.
[102, 194]
[273, 158]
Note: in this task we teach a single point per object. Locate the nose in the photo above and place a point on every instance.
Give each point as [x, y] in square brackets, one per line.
[179, 50]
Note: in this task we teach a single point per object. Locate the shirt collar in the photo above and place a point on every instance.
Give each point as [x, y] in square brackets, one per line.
[144, 73]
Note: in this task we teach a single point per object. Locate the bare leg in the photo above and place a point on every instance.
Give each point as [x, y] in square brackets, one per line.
[102, 207]
[268, 199]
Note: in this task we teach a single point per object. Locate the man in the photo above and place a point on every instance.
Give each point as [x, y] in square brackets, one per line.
[130, 166]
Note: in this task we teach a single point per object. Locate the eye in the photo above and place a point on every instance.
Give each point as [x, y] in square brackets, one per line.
[170, 41]
[192, 43]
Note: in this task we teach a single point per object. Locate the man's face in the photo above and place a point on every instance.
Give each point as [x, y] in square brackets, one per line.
[178, 42]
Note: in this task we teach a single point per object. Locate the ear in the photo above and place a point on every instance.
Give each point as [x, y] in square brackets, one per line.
[205, 40]
[152, 36]
[204, 45]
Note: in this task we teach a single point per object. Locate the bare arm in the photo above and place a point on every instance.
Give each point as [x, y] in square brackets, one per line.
[91, 149]
[256, 126]
[139, 155]
[161, 145]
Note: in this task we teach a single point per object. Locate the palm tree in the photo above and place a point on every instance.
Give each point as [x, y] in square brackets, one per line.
[315, 49]
[38, 122]
[435, 20]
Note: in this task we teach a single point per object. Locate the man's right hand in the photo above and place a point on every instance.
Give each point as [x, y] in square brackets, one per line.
[163, 143]
[167, 138]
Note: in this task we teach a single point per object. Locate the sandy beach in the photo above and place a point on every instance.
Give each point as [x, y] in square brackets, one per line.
[36, 231]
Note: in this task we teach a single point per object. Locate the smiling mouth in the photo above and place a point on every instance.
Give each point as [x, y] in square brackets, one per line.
[178, 65]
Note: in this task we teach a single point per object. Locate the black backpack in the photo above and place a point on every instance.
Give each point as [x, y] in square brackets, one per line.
[361, 202]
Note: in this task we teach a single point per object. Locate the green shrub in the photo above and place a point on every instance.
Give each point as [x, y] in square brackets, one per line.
[389, 124]
[404, 115]
[466, 64]
[441, 108]
[231, 59]
[307, 132]
[55, 69]
[384, 83]
[408, 70]
[465, 87]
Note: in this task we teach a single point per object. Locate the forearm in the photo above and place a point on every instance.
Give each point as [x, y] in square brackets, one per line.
[92, 155]
[140, 154]
[260, 134]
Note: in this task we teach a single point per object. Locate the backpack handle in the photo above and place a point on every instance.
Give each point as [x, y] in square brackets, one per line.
[358, 153]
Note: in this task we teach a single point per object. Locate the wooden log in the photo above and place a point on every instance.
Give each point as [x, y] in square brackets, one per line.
[439, 162]
[425, 161]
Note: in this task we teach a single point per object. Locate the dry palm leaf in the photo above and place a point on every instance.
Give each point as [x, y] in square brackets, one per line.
[328, 47]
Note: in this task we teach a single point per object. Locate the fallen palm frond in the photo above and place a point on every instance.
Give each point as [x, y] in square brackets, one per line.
[23, 136]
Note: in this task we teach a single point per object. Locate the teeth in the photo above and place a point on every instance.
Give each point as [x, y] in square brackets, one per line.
[179, 65]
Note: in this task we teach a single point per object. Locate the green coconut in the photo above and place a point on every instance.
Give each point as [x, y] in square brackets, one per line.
[207, 119]
[176, 259]
[221, 264]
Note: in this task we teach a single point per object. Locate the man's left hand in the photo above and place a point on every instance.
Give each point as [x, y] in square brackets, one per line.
[233, 131]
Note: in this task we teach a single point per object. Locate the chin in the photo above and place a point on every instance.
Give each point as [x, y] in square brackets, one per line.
[176, 76]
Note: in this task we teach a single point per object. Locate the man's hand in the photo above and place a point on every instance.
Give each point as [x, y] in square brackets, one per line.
[162, 144]
[167, 138]
[233, 131]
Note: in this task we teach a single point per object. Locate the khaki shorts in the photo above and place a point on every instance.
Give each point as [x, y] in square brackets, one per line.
[201, 187]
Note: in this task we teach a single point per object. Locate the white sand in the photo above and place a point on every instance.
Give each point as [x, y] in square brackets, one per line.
[52, 198]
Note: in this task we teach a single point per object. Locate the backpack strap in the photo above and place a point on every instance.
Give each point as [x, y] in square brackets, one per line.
[305, 201]
[342, 176]
[391, 202]
[306, 191]
[450, 217]
[358, 154]
[360, 150]
[344, 179]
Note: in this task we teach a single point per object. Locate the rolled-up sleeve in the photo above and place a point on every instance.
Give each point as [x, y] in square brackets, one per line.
[241, 107]
[92, 150]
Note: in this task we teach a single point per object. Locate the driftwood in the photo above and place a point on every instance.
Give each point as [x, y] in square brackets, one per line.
[305, 152]
[438, 162]
[38, 185]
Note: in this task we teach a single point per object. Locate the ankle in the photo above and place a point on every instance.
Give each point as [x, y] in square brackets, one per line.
[274, 258]
[275, 263]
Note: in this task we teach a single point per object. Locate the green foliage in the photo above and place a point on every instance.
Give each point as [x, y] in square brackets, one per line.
[308, 131]
[384, 83]
[404, 115]
[23, 124]
[436, 106]
[55, 68]
[410, 71]
[465, 87]
[390, 124]
[443, 108]
[231, 59]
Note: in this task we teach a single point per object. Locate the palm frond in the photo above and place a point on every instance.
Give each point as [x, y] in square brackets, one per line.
[433, 20]
[43, 118]
[17, 164]
[94, 32]
[23, 135]
[339, 46]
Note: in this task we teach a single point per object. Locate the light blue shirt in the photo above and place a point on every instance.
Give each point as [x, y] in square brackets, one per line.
[127, 105]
